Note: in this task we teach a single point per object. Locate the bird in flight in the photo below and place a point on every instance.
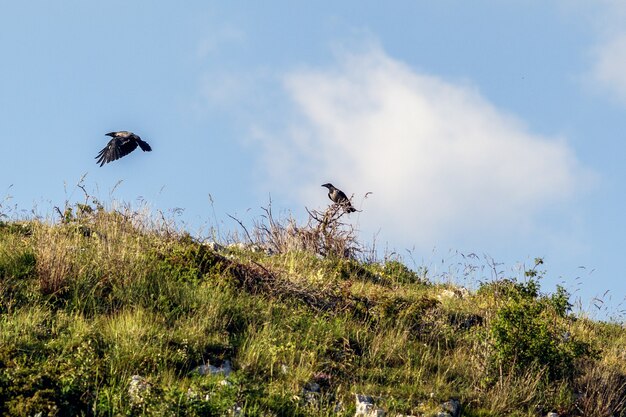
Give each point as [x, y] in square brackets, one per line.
[121, 144]
[339, 197]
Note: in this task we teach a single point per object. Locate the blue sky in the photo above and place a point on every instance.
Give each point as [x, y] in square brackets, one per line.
[490, 128]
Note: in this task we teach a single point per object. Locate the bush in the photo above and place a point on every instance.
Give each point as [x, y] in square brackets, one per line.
[400, 273]
[526, 333]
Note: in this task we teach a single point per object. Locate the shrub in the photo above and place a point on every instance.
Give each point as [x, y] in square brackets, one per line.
[400, 273]
[525, 334]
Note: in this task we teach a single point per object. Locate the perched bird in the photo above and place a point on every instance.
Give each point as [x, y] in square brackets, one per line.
[339, 197]
[121, 144]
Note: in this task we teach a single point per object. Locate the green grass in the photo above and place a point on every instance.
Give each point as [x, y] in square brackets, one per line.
[88, 302]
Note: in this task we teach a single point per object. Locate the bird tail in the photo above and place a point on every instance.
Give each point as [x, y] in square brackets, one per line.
[348, 207]
[144, 145]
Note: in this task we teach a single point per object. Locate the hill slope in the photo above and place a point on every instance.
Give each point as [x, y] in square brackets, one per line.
[109, 312]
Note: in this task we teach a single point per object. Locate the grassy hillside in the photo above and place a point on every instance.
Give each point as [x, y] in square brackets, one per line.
[111, 312]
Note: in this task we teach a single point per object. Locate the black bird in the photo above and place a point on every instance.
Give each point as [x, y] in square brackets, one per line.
[122, 144]
[339, 197]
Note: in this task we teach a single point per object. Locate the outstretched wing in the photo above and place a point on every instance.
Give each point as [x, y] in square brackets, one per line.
[127, 146]
[115, 149]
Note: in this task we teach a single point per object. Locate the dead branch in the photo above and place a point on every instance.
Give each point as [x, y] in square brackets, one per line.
[242, 226]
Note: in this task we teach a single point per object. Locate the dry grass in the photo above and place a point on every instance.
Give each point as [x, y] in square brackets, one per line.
[324, 234]
[601, 391]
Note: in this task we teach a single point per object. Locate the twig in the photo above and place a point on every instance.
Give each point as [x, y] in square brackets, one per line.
[242, 226]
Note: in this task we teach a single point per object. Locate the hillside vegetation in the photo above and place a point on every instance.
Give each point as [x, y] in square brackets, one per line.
[115, 312]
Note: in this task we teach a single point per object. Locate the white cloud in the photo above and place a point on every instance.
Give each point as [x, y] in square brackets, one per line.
[440, 160]
[608, 67]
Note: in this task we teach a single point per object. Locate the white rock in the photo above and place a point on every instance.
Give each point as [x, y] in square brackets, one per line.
[446, 293]
[365, 407]
[138, 389]
[214, 246]
[459, 292]
[237, 246]
[252, 247]
[256, 248]
[310, 398]
[451, 408]
[204, 369]
[225, 369]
